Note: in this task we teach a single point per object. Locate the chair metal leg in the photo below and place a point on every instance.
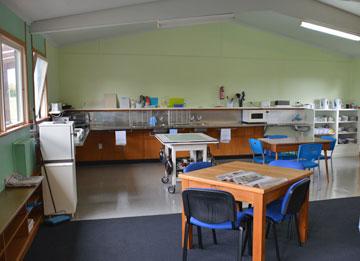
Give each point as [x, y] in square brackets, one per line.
[240, 205]
[247, 230]
[289, 232]
[276, 241]
[297, 230]
[267, 230]
[200, 243]
[240, 244]
[214, 236]
[332, 165]
[250, 238]
[186, 237]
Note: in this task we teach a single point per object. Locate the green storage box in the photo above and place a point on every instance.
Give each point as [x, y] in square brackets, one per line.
[24, 156]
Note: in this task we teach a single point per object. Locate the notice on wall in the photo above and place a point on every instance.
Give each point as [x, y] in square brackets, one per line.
[120, 138]
[225, 135]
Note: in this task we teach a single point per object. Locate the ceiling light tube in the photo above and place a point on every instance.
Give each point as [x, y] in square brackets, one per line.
[330, 31]
[171, 23]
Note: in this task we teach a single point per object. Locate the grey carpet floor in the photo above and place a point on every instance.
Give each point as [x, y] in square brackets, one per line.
[333, 235]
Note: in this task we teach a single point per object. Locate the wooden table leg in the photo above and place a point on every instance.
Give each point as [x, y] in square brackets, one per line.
[276, 155]
[259, 228]
[326, 165]
[304, 220]
[185, 185]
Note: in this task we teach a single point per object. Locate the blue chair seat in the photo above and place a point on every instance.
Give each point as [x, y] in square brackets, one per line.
[292, 164]
[259, 159]
[273, 211]
[226, 225]
[308, 164]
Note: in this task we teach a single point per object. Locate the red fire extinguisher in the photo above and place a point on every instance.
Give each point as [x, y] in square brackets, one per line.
[221, 93]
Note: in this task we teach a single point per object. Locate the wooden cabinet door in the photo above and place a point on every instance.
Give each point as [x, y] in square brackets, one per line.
[110, 151]
[221, 149]
[250, 132]
[91, 150]
[134, 149]
[151, 146]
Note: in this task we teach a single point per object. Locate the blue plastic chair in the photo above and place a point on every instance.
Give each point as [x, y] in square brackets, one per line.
[196, 166]
[212, 209]
[258, 152]
[287, 164]
[332, 148]
[308, 154]
[285, 209]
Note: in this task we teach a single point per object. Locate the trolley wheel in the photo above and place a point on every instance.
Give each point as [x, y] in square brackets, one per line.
[171, 189]
[165, 180]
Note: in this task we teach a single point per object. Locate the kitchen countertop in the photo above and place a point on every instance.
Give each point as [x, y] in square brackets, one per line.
[182, 126]
[192, 126]
[188, 108]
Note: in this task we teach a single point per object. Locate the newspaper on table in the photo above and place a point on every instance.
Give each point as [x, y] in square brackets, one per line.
[251, 178]
[17, 180]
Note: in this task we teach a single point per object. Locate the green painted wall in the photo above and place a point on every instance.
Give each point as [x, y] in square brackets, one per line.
[192, 62]
[12, 24]
[52, 55]
[39, 44]
[354, 91]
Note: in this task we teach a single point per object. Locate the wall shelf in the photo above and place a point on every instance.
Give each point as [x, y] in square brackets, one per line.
[346, 140]
[15, 237]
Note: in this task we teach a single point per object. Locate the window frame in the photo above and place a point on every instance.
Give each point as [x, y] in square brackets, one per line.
[19, 45]
[35, 54]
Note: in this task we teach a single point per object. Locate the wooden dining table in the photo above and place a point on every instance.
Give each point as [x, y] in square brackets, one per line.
[292, 144]
[258, 197]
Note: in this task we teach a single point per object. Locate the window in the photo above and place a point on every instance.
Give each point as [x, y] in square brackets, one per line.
[40, 90]
[12, 92]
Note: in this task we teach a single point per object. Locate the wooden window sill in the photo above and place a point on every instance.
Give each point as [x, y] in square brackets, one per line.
[42, 120]
[14, 129]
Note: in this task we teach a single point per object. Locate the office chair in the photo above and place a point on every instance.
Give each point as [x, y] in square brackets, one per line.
[258, 152]
[212, 209]
[332, 148]
[289, 207]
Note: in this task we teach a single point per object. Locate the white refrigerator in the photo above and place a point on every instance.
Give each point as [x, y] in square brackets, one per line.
[58, 152]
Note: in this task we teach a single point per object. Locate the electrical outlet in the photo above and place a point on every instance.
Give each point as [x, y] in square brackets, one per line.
[100, 146]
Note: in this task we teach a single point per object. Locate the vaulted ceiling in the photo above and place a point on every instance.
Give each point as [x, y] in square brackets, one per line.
[69, 21]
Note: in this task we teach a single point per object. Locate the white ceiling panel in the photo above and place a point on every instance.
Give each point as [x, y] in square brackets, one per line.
[351, 6]
[34, 10]
[290, 27]
[69, 21]
[70, 37]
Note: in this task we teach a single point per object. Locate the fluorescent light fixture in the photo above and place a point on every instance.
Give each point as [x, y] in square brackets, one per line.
[177, 22]
[327, 30]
